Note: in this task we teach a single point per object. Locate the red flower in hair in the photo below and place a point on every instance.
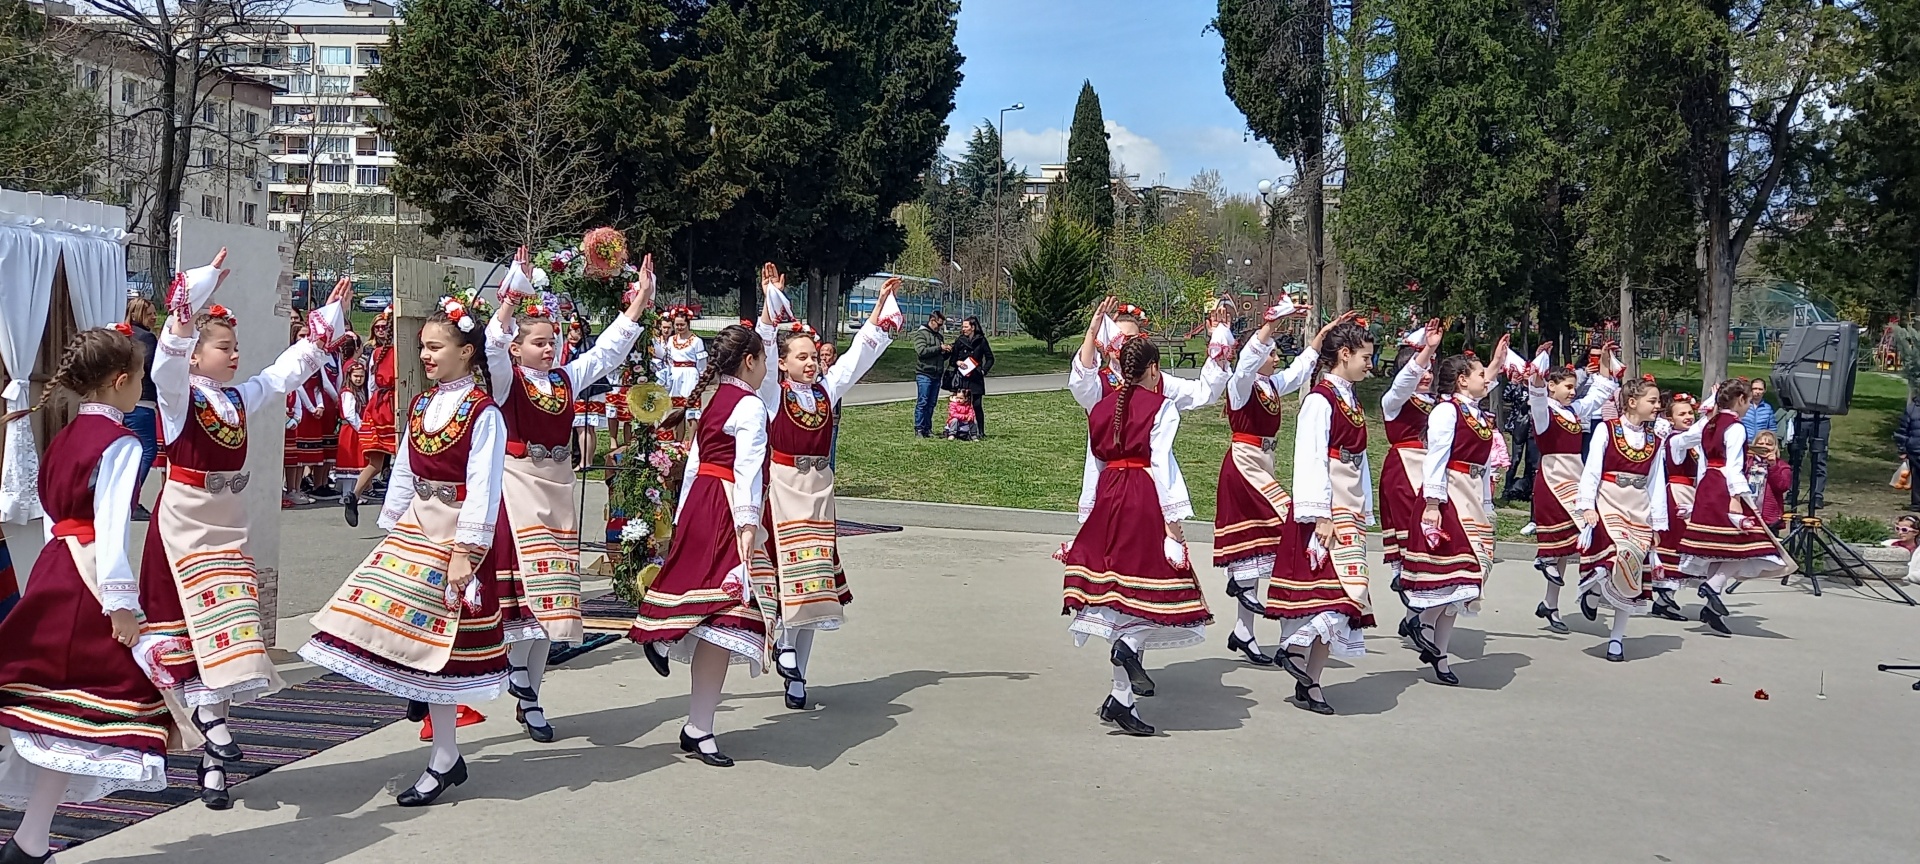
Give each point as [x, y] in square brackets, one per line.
[123, 328]
[1647, 378]
[217, 312]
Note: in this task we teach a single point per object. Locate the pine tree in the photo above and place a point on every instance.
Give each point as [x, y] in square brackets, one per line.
[47, 125]
[1089, 195]
[1056, 279]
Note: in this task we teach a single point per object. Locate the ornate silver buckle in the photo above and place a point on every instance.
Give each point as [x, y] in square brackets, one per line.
[232, 482]
[1351, 458]
[1476, 471]
[1630, 481]
[1268, 444]
[538, 452]
[805, 464]
[448, 493]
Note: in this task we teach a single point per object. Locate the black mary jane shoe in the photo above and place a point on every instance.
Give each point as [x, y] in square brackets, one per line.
[1408, 626]
[1665, 608]
[1418, 635]
[1443, 676]
[1616, 652]
[1303, 698]
[524, 694]
[1124, 717]
[228, 752]
[796, 703]
[1587, 608]
[1125, 657]
[692, 745]
[1246, 649]
[1550, 572]
[1713, 600]
[215, 799]
[442, 781]
[1714, 620]
[657, 657]
[541, 734]
[1292, 664]
[1246, 596]
[416, 711]
[351, 504]
[788, 673]
[12, 854]
[1551, 616]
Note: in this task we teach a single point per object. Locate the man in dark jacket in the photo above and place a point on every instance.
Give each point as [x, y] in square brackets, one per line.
[930, 364]
[144, 419]
[1907, 437]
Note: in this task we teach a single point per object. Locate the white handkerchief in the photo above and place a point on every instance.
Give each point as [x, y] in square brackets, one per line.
[1586, 536]
[1543, 357]
[327, 326]
[471, 595]
[779, 308]
[736, 583]
[1108, 337]
[1281, 309]
[197, 285]
[1316, 553]
[1176, 552]
[966, 365]
[1513, 365]
[513, 287]
[1415, 338]
[889, 317]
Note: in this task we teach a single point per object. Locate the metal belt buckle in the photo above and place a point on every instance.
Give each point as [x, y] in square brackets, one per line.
[1630, 481]
[1476, 471]
[232, 482]
[443, 491]
[1268, 444]
[538, 452]
[805, 464]
[1351, 458]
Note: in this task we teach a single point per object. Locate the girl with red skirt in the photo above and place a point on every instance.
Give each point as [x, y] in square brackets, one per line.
[1403, 410]
[1725, 539]
[1253, 513]
[78, 705]
[1319, 588]
[348, 460]
[1620, 503]
[1445, 563]
[1681, 464]
[376, 432]
[1126, 582]
[420, 617]
[1559, 423]
[703, 608]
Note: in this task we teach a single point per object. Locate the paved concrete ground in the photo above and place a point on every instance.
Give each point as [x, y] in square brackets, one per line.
[955, 724]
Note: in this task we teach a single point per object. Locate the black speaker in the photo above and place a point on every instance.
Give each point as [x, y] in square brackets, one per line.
[1815, 370]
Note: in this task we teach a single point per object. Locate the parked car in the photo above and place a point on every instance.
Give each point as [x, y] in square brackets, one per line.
[376, 302]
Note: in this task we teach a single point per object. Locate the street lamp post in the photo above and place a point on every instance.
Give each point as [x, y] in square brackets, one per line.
[999, 193]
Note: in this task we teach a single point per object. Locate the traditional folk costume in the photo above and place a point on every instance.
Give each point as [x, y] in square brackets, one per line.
[1724, 538]
[315, 414]
[1444, 571]
[1127, 582]
[1623, 481]
[1404, 411]
[802, 584]
[377, 418]
[1089, 386]
[1559, 431]
[540, 597]
[348, 455]
[1681, 467]
[197, 579]
[683, 358]
[74, 700]
[1253, 515]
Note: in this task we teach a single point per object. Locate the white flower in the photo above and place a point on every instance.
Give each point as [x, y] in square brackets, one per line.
[635, 530]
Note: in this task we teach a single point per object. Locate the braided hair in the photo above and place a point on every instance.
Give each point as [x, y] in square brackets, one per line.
[1137, 355]
[725, 354]
[1730, 391]
[1634, 388]
[91, 359]
[1347, 335]
[1447, 374]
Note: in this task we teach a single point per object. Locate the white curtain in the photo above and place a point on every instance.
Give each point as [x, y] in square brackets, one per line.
[96, 273]
[27, 258]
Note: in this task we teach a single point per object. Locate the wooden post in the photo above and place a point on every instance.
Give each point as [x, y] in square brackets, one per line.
[1629, 339]
[417, 288]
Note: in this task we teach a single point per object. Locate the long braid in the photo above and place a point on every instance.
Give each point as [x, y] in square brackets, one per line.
[90, 360]
[1136, 356]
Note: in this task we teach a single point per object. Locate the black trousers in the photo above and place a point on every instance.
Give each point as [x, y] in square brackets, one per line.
[1814, 454]
[1913, 493]
[979, 400]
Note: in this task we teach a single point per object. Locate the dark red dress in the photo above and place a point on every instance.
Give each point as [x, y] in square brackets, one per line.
[377, 433]
[206, 444]
[1400, 500]
[1555, 535]
[546, 420]
[1245, 521]
[1714, 533]
[1454, 568]
[1298, 591]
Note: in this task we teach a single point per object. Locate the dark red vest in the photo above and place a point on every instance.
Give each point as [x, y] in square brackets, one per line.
[1562, 435]
[66, 471]
[441, 456]
[796, 431]
[1259, 417]
[207, 443]
[716, 445]
[1409, 427]
[1348, 429]
[1472, 440]
[539, 418]
[1136, 431]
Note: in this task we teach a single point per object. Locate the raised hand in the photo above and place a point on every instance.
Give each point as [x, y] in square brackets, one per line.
[887, 291]
[342, 291]
[640, 291]
[1326, 328]
[771, 279]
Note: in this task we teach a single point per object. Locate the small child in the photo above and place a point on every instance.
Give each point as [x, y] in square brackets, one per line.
[961, 425]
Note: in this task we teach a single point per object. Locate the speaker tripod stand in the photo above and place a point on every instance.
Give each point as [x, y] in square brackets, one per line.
[1809, 541]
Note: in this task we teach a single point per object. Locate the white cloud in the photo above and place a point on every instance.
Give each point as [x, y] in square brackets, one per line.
[1137, 153]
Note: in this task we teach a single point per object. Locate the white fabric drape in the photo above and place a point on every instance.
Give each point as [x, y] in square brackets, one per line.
[96, 273]
[27, 257]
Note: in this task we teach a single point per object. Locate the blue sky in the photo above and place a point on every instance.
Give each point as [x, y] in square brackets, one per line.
[1155, 65]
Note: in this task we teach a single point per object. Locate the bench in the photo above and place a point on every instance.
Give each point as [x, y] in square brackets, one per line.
[1174, 351]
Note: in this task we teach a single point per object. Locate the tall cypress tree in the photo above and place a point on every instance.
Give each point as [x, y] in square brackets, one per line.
[1089, 164]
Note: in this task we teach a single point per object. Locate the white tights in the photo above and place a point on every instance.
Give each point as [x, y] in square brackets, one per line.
[1553, 590]
[1123, 685]
[532, 654]
[801, 641]
[1243, 627]
[1620, 617]
[709, 676]
[222, 735]
[35, 833]
[1441, 619]
[446, 748]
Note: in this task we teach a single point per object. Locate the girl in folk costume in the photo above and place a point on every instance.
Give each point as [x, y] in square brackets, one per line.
[348, 459]
[420, 617]
[1125, 582]
[1620, 503]
[1559, 425]
[81, 713]
[196, 577]
[682, 356]
[1681, 465]
[376, 432]
[316, 433]
[1725, 539]
[1445, 561]
[702, 609]
[540, 596]
[1252, 512]
[1403, 411]
[1319, 590]
[804, 587]
[589, 402]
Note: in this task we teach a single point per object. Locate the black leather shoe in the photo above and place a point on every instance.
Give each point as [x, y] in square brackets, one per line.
[1408, 625]
[1124, 656]
[1713, 600]
[1616, 652]
[789, 673]
[524, 694]
[11, 854]
[227, 752]
[1551, 616]
[1124, 717]
[1235, 643]
[1420, 641]
[1715, 620]
[442, 781]
[215, 799]
[351, 504]
[1663, 608]
[1445, 677]
[416, 711]
[797, 703]
[1292, 663]
[1303, 698]
[1587, 608]
[1552, 573]
[692, 745]
[1246, 596]
[656, 656]
[542, 733]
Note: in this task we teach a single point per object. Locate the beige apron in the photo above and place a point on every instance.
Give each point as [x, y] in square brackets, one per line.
[1624, 512]
[539, 499]
[804, 587]
[1561, 471]
[394, 604]
[1349, 552]
[1256, 467]
[181, 735]
[219, 594]
[1468, 494]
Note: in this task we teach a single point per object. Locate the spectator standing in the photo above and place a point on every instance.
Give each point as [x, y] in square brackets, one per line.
[825, 354]
[1772, 476]
[930, 365]
[143, 420]
[1906, 436]
[1759, 418]
[1516, 418]
[971, 349]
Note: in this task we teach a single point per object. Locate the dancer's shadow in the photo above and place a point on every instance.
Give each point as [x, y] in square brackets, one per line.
[1373, 693]
[1639, 647]
[845, 716]
[1744, 623]
[1490, 671]
[1194, 696]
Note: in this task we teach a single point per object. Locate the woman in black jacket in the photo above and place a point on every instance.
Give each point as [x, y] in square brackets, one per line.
[972, 345]
[1907, 437]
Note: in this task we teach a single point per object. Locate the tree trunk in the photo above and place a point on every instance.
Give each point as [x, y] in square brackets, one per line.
[1716, 286]
[830, 308]
[1629, 337]
[167, 180]
[816, 283]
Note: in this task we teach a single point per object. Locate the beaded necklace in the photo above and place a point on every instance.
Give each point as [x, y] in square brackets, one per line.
[1632, 453]
[232, 436]
[556, 401]
[430, 443]
[1267, 400]
[798, 413]
[1479, 426]
[1352, 411]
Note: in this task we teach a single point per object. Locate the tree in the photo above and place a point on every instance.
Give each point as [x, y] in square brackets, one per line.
[1167, 268]
[1055, 281]
[48, 127]
[917, 257]
[1089, 186]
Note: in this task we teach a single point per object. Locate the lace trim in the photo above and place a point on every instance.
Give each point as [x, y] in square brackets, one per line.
[746, 514]
[1177, 510]
[1102, 623]
[521, 631]
[452, 691]
[1311, 511]
[120, 597]
[196, 693]
[1332, 628]
[107, 411]
[477, 534]
[95, 770]
[746, 647]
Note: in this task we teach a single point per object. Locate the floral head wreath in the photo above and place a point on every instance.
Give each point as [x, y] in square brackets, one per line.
[385, 317]
[123, 328]
[537, 306]
[220, 314]
[680, 312]
[1684, 397]
[462, 312]
[799, 327]
[1132, 311]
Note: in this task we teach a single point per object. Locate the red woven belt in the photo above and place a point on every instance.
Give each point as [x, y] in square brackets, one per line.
[81, 529]
[1680, 480]
[1250, 440]
[1129, 462]
[1716, 463]
[719, 472]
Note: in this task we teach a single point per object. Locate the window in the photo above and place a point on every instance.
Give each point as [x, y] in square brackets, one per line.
[249, 214]
[371, 175]
[295, 145]
[210, 207]
[208, 112]
[335, 85]
[336, 114]
[373, 114]
[126, 137]
[296, 173]
[385, 145]
[365, 146]
[369, 55]
[93, 79]
[126, 191]
[273, 55]
[126, 92]
[300, 85]
[334, 143]
[376, 205]
[331, 173]
[336, 55]
[300, 53]
[251, 122]
[332, 201]
[253, 166]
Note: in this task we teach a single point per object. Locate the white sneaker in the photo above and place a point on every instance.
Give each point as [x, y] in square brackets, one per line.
[299, 498]
[1528, 529]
